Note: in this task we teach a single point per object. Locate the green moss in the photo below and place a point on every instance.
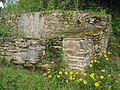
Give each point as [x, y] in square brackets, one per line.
[81, 34]
[31, 38]
[71, 11]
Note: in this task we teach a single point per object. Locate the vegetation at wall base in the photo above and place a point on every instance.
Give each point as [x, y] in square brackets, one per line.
[102, 74]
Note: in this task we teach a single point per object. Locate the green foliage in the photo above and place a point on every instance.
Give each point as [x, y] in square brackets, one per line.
[14, 78]
[6, 31]
[22, 6]
[54, 53]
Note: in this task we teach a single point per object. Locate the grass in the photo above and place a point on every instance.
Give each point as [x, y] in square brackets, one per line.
[102, 74]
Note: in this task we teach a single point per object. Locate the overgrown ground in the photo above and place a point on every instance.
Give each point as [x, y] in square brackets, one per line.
[102, 74]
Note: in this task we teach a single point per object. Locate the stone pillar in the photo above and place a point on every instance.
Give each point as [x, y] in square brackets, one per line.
[77, 51]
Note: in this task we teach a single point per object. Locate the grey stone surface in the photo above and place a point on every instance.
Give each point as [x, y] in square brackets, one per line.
[43, 25]
[77, 51]
[22, 51]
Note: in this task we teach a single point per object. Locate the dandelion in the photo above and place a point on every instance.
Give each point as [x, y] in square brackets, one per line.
[98, 61]
[101, 77]
[52, 62]
[106, 58]
[84, 81]
[60, 72]
[104, 51]
[82, 69]
[95, 60]
[45, 74]
[119, 75]
[50, 76]
[105, 55]
[90, 65]
[84, 74]
[71, 73]
[70, 78]
[78, 80]
[66, 73]
[48, 69]
[81, 79]
[109, 52]
[102, 70]
[96, 84]
[48, 72]
[73, 78]
[58, 76]
[92, 76]
[77, 73]
[91, 61]
[46, 64]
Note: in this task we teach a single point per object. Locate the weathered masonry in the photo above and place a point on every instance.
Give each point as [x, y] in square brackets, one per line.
[85, 35]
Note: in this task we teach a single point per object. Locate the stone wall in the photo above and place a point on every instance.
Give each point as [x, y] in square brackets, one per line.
[85, 35]
[46, 24]
[21, 51]
[11, 20]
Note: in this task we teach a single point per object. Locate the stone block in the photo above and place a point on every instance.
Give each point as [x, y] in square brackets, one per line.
[81, 51]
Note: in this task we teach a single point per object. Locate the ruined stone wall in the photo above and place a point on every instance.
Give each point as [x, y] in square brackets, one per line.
[11, 20]
[45, 24]
[85, 35]
[21, 51]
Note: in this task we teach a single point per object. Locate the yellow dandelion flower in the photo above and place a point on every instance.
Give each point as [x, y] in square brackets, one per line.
[105, 55]
[104, 51]
[92, 75]
[98, 61]
[71, 72]
[50, 76]
[91, 61]
[96, 84]
[73, 78]
[101, 77]
[70, 78]
[45, 74]
[106, 58]
[102, 70]
[82, 69]
[119, 75]
[48, 72]
[109, 52]
[84, 74]
[46, 64]
[60, 72]
[58, 76]
[95, 60]
[66, 73]
[52, 62]
[84, 81]
[90, 65]
[80, 79]
[48, 69]
[77, 73]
